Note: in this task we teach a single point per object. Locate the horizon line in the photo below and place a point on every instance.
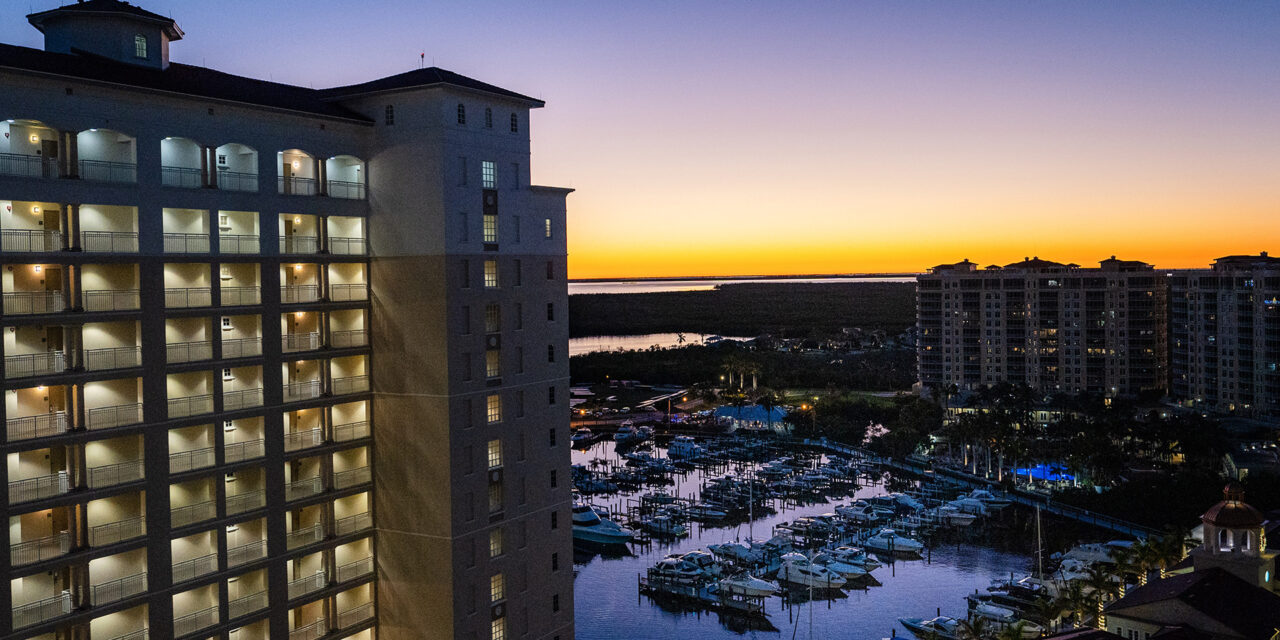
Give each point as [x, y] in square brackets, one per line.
[816, 276]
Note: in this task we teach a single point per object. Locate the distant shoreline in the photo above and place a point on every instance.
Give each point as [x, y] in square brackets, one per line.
[818, 276]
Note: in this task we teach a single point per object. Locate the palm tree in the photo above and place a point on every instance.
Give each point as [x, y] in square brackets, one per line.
[1074, 600]
[1050, 610]
[975, 628]
[1012, 631]
[768, 400]
[1104, 587]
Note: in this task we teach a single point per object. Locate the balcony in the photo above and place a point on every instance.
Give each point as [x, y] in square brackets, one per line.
[40, 549]
[309, 584]
[244, 553]
[41, 610]
[347, 292]
[117, 590]
[189, 460]
[33, 302]
[241, 399]
[299, 440]
[193, 622]
[111, 300]
[30, 240]
[103, 171]
[114, 474]
[304, 537]
[295, 186]
[352, 338]
[352, 477]
[340, 246]
[187, 297]
[292, 342]
[355, 616]
[40, 426]
[26, 166]
[38, 488]
[237, 181]
[241, 451]
[295, 391]
[195, 567]
[181, 177]
[239, 244]
[346, 190]
[189, 351]
[186, 243]
[111, 533]
[350, 384]
[353, 524]
[190, 406]
[355, 570]
[112, 358]
[247, 501]
[299, 244]
[109, 241]
[116, 416]
[140, 634]
[313, 631]
[351, 431]
[34, 364]
[289, 294]
[246, 605]
[193, 513]
[241, 347]
[300, 489]
[241, 296]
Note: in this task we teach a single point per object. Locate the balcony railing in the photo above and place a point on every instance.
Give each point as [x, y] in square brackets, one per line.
[188, 460]
[185, 297]
[248, 501]
[193, 513]
[117, 416]
[103, 171]
[186, 243]
[342, 246]
[38, 488]
[343, 292]
[352, 524]
[299, 489]
[117, 590]
[40, 549]
[183, 177]
[189, 351]
[239, 244]
[295, 391]
[303, 439]
[293, 293]
[241, 347]
[344, 189]
[351, 384]
[309, 584]
[303, 537]
[246, 605]
[140, 634]
[290, 342]
[40, 426]
[109, 241]
[41, 610]
[111, 533]
[313, 631]
[357, 569]
[30, 240]
[241, 398]
[25, 166]
[114, 474]
[112, 358]
[292, 185]
[299, 244]
[237, 181]
[355, 616]
[351, 338]
[190, 406]
[111, 300]
[238, 296]
[352, 477]
[195, 567]
[193, 622]
[241, 554]
[351, 431]
[33, 302]
[241, 451]
[34, 364]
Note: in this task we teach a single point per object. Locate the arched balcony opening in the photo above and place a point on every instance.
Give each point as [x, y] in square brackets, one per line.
[29, 149]
[297, 172]
[237, 168]
[107, 156]
[344, 177]
[182, 163]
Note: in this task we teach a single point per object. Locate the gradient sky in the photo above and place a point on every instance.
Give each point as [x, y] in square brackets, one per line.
[735, 137]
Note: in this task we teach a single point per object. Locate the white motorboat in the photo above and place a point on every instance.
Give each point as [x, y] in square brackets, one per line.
[684, 447]
[626, 431]
[796, 569]
[972, 506]
[889, 541]
[664, 526]
[673, 569]
[854, 556]
[952, 516]
[993, 501]
[706, 511]
[849, 571]
[940, 628]
[588, 526]
[1005, 617]
[862, 512]
[581, 437]
[748, 553]
[745, 584]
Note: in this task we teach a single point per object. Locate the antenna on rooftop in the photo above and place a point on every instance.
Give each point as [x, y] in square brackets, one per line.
[422, 59]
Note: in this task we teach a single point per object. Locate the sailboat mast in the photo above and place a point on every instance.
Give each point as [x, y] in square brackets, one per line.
[1039, 548]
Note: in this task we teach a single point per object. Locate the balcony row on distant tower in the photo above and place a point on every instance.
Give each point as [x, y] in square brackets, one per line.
[32, 149]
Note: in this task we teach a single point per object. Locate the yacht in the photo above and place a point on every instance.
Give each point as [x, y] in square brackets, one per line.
[664, 526]
[863, 513]
[706, 511]
[588, 526]
[581, 437]
[745, 584]
[854, 556]
[993, 501]
[940, 628]
[796, 569]
[748, 553]
[952, 516]
[889, 541]
[684, 447]
[847, 570]
[1004, 618]
[627, 433]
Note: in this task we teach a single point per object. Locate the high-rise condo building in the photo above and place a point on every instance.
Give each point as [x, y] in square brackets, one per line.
[1053, 327]
[278, 362]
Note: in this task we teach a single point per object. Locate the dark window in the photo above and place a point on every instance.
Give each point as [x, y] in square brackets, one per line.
[551, 312]
[551, 353]
[551, 395]
[553, 476]
[389, 117]
[462, 113]
[515, 123]
[555, 520]
[555, 562]
[555, 603]
[551, 270]
[551, 435]
[488, 118]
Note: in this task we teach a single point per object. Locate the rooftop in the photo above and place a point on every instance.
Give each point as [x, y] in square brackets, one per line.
[106, 8]
[1251, 611]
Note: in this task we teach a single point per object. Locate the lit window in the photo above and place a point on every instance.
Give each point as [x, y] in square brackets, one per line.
[498, 629]
[493, 408]
[389, 116]
[493, 363]
[492, 318]
[495, 543]
[490, 228]
[495, 454]
[547, 225]
[490, 274]
[488, 118]
[462, 113]
[489, 175]
[140, 46]
[515, 123]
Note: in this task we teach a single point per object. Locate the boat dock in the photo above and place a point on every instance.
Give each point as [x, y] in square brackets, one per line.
[705, 595]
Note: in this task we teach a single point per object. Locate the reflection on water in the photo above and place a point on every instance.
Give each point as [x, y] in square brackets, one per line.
[592, 344]
[660, 286]
[607, 600]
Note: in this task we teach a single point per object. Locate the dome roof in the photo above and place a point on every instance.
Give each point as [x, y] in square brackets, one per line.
[1232, 512]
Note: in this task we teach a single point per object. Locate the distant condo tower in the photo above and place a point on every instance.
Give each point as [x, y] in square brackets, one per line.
[279, 362]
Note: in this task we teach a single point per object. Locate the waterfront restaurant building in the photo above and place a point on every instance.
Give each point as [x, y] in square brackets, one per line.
[278, 362]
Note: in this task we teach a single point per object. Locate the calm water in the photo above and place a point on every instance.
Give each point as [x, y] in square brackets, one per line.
[591, 344]
[658, 286]
[607, 604]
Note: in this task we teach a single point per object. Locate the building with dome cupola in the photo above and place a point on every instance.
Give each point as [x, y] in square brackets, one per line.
[1235, 540]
